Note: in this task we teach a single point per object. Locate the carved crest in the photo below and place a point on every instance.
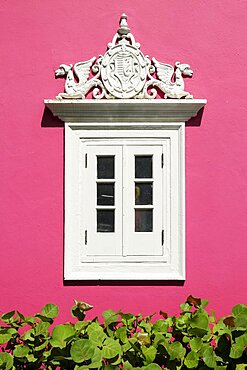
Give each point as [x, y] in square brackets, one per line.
[124, 73]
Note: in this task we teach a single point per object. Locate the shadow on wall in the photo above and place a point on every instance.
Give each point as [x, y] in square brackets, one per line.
[195, 121]
[48, 120]
[124, 283]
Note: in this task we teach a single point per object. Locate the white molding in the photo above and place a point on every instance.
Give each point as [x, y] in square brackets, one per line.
[125, 110]
[170, 268]
[106, 119]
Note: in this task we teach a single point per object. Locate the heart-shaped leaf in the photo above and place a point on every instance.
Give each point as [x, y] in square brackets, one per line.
[149, 353]
[111, 348]
[60, 334]
[82, 350]
[50, 310]
[191, 360]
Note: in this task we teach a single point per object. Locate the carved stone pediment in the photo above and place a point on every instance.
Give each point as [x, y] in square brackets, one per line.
[124, 73]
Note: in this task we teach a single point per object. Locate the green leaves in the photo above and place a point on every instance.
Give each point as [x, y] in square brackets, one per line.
[5, 336]
[241, 367]
[50, 311]
[200, 320]
[60, 335]
[6, 361]
[191, 360]
[41, 328]
[110, 317]
[97, 337]
[7, 316]
[143, 339]
[239, 309]
[160, 326]
[151, 367]
[176, 350]
[149, 354]
[111, 348]
[236, 351]
[192, 340]
[196, 344]
[21, 351]
[82, 350]
[240, 316]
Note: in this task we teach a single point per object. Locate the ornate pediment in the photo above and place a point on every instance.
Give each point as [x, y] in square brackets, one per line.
[123, 73]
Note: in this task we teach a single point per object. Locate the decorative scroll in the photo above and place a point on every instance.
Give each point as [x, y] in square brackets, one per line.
[124, 73]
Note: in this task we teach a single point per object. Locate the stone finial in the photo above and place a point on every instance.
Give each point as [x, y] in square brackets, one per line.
[124, 28]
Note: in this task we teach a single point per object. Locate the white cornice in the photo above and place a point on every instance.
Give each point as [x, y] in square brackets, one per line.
[125, 110]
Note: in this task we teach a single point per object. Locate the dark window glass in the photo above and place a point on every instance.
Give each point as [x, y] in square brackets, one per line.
[105, 221]
[143, 166]
[105, 194]
[143, 220]
[143, 193]
[105, 167]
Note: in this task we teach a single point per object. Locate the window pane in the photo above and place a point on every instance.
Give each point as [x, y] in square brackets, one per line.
[143, 220]
[143, 193]
[105, 167]
[105, 221]
[105, 194]
[143, 166]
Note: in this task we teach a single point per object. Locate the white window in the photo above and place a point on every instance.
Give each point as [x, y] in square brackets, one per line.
[124, 188]
[124, 164]
[123, 211]
[124, 203]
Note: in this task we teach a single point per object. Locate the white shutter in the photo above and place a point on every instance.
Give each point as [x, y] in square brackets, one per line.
[142, 219]
[100, 238]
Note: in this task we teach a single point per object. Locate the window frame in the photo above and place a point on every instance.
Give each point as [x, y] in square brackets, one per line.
[122, 114]
[173, 268]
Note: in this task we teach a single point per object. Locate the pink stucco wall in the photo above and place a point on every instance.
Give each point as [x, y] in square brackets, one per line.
[36, 36]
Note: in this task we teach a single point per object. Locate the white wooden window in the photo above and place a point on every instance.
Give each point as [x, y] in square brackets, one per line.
[124, 226]
[123, 211]
[124, 202]
[124, 164]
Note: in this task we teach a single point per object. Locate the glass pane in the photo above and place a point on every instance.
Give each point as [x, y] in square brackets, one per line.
[143, 220]
[105, 221]
[105, 194]
[143, 193]
[105, 167]
[143, 166]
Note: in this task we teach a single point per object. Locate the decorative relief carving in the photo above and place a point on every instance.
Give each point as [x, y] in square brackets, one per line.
[124, 73]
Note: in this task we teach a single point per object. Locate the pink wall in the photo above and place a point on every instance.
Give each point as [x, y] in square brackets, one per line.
[36, 37]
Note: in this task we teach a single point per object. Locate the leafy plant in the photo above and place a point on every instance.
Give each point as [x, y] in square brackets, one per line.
[193, 340]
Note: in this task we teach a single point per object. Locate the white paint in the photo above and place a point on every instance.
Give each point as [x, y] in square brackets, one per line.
[126, 254]
[125, 110]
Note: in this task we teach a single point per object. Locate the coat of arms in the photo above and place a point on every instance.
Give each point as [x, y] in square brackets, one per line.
[124, 72]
